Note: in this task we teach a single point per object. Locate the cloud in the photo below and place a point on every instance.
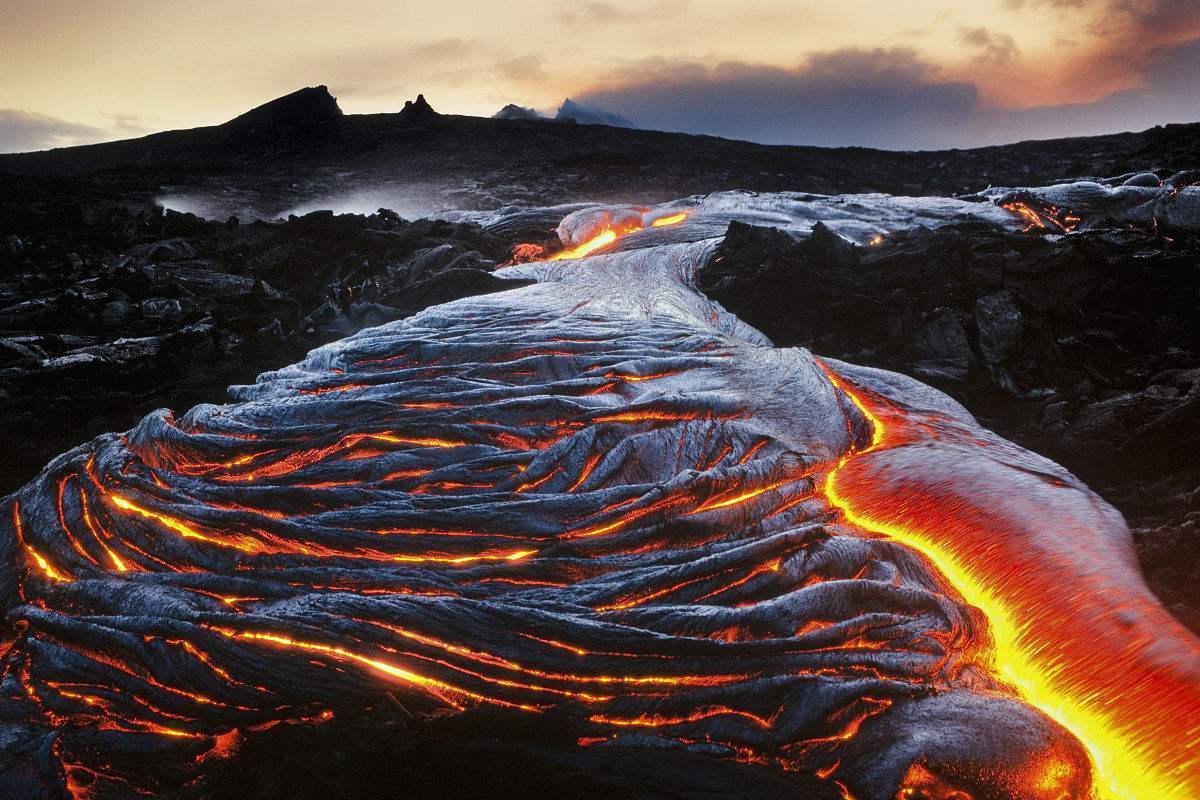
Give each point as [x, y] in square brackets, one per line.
[890, 98]
[998, 49]
[361, 76]
[21, 131]
[1116, 38]
[1019, 4]
[1168, 92]
[597, 12]
[529, 68]
[1172, 70]
[1126, 25]
[592, 13]
[880, 97]
[384, 71]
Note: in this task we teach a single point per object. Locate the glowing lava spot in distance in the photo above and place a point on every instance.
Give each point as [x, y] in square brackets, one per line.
[674, 219]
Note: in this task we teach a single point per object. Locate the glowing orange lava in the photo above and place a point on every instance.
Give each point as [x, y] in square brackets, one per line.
[1072, 629]
[1042, 216]
[674, 219]
[1092, 651]
[583, 250]
[607, 237]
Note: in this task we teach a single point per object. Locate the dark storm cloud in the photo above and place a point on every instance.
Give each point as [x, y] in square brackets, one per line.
[25, 130]
[1174, 69]
[880, 97]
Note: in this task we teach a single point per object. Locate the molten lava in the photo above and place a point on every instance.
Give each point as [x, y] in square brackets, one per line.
[1040, 215]
[1137, 709]
[609, 233]
[583, 250]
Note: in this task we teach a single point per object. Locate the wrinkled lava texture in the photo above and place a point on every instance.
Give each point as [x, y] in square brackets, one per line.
[594, 534]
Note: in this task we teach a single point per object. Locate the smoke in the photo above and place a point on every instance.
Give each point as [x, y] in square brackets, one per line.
[21, 131]
[409, 201]
[879, 98]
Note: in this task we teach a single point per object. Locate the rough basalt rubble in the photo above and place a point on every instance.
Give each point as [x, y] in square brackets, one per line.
[107, 314]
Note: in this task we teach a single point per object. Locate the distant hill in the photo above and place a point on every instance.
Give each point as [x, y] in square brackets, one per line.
[299, 149]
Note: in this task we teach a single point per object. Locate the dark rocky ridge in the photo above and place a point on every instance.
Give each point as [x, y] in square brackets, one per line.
[514, 111]
[570, 111]
[418, 108]
[266, 168]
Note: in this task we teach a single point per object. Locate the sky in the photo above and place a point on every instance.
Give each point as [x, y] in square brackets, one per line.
[899, 74]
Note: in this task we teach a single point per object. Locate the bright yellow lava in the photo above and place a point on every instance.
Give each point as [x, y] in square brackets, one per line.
[1125, 767]
[605, 238]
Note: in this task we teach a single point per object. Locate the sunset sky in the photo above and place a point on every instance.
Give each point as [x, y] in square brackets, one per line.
[912, 74]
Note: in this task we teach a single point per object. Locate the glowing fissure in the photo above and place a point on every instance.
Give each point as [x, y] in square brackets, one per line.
[1043, 216]
[379, 665]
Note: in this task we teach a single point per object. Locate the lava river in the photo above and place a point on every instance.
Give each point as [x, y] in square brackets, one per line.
[602, 496]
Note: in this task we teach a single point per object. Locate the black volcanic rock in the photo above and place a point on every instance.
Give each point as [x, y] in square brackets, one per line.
[418, 108]
[392, 749]
[315, 102]
[111, 313]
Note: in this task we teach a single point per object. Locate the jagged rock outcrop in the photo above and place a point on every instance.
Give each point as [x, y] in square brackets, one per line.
[418, 108]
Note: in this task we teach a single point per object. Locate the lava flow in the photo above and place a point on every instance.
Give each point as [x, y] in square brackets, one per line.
[623, 505]
[606, 230]
[1137, 707]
